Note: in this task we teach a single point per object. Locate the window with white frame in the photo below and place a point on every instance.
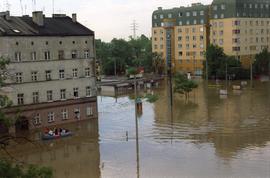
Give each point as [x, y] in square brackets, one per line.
[223, 7]
[75, 73]
[37, 119]
[161, 16]
[33, 56]
[86, 54]
[35, 97]
[89, 111]
[87, 72]
[194, 13]
[73, 54]
[19, 77]
[64, 113]
[201, 12]
[63, 94]
[62, 74]
[34, 76]
[215, 7]
[20, 99]
[76, 92]
[51, 117]
[169, 15]
[88, 91]
[77, 113]
[18, 56]
[47, 55]
[48, 75]
[187, 14]
[49, 95]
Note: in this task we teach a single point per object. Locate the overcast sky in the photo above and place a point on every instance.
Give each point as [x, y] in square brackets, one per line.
[108, 18]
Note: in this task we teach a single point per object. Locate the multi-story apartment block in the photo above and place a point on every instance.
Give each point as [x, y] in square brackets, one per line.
[189, 37]
[241, 27]
[51, 75]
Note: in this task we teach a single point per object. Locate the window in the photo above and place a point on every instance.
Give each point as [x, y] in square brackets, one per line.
[61, 54]
[86, 54]
[215, 16]
[75, 73]
[201, 12]
[18, 57]
[63, 94]
[236, 48]
[223, 7]
[215, 7]
[169, 15]
[51, 117]
[62, 74]
[74, 54]
[155, 16]
[221, 24]
[49, 95]
[161, 16]
[187, 38]
[35, 97]
[87, 72]
[180, 14]
[64, 114]
[187, 14]
[20, 98]
[77, 113]
[194, 22]
[48, 75]
[250, 6]
[220, 42]
[19, 77]
[37, 119]
[201, 29]
[89, 111]
[188, 22]
[179, 38]
[33, 56]
[180, 23]
[194, 13]
[34, 76]
[47, 55]
[201, 37]
[180, 53]
[88, 91]
[76, 92]
[202, 21]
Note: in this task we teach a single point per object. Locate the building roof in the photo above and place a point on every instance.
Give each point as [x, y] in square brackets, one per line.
[53, 26]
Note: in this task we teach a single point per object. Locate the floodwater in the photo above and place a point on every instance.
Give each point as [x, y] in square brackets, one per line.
[207, 136]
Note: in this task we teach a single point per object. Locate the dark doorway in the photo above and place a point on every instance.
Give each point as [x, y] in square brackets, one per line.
[22, 124]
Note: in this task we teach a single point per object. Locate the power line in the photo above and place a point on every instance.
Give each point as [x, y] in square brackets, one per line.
[134, 27]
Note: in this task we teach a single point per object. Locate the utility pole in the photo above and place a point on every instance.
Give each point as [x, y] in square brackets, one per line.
[134, 27]
[251, 72]
[53, 6]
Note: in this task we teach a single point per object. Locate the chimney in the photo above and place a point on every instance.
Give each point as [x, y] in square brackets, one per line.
[160, 8]
[38, 18]
[5, 15]
[74, 18]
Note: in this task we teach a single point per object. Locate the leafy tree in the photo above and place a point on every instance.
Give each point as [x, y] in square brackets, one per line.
[183, 85]
[262, 62]
[158, 63]
[218, 61]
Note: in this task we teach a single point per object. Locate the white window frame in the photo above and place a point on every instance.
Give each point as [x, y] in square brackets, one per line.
[64, 114]
[51, 117]
[63, 94]
[37, 119]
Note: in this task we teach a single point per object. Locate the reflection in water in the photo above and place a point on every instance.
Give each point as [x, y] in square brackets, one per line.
[204, 137]
[77, 156]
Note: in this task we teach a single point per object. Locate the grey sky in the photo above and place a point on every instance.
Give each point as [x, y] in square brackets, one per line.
[108, 18]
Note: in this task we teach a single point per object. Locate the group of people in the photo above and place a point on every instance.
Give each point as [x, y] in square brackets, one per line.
[55, 131]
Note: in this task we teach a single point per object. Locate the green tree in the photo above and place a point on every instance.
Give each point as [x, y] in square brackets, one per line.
[262, 62]
[183, 85]
[218, 62]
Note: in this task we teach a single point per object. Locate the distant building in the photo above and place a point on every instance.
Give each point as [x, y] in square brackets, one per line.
[52, 69]
[240, 27]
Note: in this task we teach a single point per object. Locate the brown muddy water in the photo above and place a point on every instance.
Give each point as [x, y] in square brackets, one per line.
[207, 136]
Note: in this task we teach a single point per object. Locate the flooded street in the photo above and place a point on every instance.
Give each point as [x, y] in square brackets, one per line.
[207, 136]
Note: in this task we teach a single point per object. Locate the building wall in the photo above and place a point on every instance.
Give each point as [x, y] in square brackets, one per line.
[83, 64]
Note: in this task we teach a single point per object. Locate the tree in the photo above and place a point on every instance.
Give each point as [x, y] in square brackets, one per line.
[183, 85]
[262, 62]
[158, 63]
[218, 62]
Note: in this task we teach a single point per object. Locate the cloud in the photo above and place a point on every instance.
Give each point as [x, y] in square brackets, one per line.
[108, 18]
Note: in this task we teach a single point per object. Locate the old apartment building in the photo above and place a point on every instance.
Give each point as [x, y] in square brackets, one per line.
[241, 27]
[51, 75]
